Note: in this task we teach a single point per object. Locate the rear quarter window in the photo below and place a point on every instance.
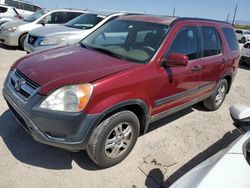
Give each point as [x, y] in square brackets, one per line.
[231, 38]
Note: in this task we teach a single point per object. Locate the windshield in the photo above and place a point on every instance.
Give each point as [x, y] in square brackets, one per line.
[85, 21]
[34, 16]
[131, 40]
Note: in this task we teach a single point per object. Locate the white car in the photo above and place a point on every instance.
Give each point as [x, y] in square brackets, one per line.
[245, 53]
[74, 31]
[242, 35]
[228, 168]
[24, 8]
[14, 33]
[8, 13]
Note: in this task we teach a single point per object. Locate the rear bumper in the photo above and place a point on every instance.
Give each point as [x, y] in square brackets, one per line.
[69, 131]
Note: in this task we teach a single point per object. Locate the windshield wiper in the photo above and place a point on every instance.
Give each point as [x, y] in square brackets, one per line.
[108, 52]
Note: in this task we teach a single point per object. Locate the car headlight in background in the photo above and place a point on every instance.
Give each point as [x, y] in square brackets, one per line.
[52, 41]
[71, 98]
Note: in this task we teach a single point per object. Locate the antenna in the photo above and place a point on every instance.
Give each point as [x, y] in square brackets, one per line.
[235, 11]
[174, 11]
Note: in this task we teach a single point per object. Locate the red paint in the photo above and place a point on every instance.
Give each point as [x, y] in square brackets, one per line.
[116, 81]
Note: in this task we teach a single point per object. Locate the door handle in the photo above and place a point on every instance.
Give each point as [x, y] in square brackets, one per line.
[196, 68]
[224, 61]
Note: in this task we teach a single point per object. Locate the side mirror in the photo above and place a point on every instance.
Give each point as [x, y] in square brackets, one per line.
[175, 60]
[241, 117]
[44, 22]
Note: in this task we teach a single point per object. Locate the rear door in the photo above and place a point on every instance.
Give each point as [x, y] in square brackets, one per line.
[213, 57]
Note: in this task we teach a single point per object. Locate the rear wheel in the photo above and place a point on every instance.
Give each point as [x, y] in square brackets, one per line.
[21, 41]
[114, 138]
[215, 101]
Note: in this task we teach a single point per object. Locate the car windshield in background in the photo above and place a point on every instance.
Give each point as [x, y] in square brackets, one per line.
[247, 32]
[131, 40]
[34, 16]
[85, 21]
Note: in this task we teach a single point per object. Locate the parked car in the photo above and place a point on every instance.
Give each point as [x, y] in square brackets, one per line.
[245, 53]
[8, 13]
[242, 35]
[72, 32]
[228, 168]
[102, 93]
[14, 33]
[24, 8]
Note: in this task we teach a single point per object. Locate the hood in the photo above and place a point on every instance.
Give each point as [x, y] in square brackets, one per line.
[14, 24]
[69, 65]
[54, 30]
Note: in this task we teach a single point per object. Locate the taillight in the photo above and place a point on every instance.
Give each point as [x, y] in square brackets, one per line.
[247, 45]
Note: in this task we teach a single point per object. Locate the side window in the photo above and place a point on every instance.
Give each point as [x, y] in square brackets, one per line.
[231, 38]
[35, 8]
[186, 42]
[12, 3]
[55, 18]
[3, 9]
[71, 15]
[27, 7]
[211, 41]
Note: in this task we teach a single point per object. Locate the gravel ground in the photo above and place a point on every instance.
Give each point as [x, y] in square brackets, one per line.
[189, 137]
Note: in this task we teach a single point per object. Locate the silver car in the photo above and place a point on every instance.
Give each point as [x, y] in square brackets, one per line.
[72, 32]
[230, 167]
[14, 33]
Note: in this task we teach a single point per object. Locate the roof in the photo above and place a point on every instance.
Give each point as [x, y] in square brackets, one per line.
[166, 20]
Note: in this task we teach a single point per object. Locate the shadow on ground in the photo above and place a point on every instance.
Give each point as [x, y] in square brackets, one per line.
[25, 149]
[244, 66]
[3, 46]
[226, 140]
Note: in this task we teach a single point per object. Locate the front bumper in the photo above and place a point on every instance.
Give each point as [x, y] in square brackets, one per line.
[10, 39]
[69, 131]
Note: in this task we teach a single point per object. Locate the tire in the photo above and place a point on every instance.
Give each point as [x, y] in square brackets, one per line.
[106, 154]
[243, 40]
[215, 101]
[21, 41]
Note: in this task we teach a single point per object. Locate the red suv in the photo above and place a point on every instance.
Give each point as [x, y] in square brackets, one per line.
[101, 94]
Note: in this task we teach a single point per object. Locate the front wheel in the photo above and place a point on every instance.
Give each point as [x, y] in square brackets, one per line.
[215, 101]
[243, 40]
[21, 41]
[114, 138]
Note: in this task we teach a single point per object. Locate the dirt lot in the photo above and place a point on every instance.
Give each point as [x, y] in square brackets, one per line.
[189, 137]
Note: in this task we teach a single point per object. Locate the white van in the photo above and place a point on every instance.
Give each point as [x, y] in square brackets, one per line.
[24, 8]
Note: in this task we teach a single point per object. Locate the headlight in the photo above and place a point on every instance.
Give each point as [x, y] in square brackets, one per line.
[72, 98]
[52, 41]
[11, 29]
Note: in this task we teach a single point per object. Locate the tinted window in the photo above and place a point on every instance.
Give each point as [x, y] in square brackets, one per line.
[211, 41]
[239, 31]
[85, 21]
[186, 42]
[55, 18]
[71, 15]
[12, 3]
[3, 9]
[27, 7]
[231, 38]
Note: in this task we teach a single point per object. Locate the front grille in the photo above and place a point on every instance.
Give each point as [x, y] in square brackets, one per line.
[32, 39]
[22, 85]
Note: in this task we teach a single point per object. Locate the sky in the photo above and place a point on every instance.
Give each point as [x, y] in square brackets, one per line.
[213, 9]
